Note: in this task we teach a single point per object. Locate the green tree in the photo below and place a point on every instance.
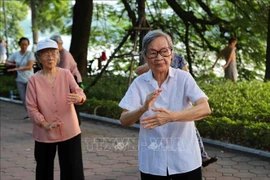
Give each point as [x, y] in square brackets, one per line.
[204, 28]
[48, 15]
[267, 64]
[201, 29]
[15, 13]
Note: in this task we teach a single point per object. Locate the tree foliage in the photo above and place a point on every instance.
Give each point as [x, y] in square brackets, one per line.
[15, 13]
[48, 15]
[51, 16]
[202, 29]
[267, 64]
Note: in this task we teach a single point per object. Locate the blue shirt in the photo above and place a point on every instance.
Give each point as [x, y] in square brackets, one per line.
[178, 61]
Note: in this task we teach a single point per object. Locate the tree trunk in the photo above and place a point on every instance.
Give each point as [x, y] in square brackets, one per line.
[188, 49]
[141, 21]
[267, 65]
[81, 27]
[34, 24]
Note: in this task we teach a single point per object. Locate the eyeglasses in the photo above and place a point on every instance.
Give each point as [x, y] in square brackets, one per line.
[47, 54]
[164, 52]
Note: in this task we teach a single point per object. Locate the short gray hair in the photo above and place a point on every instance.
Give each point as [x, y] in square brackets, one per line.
[152, 35]
[57, 39]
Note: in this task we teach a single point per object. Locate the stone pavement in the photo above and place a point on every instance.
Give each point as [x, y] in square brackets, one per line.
[109, 152]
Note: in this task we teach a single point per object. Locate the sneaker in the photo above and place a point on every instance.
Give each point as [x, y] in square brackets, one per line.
[209, 161]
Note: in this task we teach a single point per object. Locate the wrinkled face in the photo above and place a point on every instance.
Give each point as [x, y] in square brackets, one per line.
[24, 45]
[49, 58]
[159, 55]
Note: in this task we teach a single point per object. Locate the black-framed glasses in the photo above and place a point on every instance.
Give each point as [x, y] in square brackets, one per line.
[165, 52]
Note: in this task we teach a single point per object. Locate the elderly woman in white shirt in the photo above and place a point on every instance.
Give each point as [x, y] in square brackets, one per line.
[167, 101]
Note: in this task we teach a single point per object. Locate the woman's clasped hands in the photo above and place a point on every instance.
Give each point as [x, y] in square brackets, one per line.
[49, 126]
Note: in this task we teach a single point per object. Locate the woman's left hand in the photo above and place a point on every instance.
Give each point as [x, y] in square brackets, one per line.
[162, 116]
[74, 98]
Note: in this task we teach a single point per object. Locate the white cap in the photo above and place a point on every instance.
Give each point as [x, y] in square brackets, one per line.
[46, 43]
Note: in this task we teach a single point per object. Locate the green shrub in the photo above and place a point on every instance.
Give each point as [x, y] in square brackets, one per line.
[244, 101]
[106, 108]
[107, 88]
[7, 83]
[245, 133]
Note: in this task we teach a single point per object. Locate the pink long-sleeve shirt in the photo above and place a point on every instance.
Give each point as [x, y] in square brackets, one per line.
[67, 61]
[47, 101]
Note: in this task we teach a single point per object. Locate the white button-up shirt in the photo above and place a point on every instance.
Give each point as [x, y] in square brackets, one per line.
[173, 146]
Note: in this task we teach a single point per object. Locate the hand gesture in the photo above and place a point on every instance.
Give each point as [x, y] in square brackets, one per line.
[74, 98]
[151, 99]
[50, 126]
[162, 116]
[10, 70]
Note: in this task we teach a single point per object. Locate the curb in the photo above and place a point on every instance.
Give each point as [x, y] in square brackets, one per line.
[243, 149]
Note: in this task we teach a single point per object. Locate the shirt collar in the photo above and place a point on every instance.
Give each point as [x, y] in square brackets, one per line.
[149, 75]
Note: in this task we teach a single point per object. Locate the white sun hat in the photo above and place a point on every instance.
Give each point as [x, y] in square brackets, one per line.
[46, 43]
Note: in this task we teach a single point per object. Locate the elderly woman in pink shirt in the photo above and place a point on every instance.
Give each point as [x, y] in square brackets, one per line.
[67, 61]
[49, 103]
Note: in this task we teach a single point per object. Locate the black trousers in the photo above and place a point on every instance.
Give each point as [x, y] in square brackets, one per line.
[192, 175]
[70, 159]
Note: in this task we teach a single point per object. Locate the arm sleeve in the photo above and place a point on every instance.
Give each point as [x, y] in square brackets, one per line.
[31, 103]
[132, 98]
[73, 68]
[192, 90]
[11, 58]
[74, 87]
[31, 56]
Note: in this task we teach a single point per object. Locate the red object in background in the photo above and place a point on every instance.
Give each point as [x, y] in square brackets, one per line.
[103, 56]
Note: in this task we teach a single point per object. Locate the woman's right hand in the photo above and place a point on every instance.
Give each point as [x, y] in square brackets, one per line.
[151, 99]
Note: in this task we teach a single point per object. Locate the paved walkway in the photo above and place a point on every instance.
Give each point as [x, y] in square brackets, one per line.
[109, 152]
